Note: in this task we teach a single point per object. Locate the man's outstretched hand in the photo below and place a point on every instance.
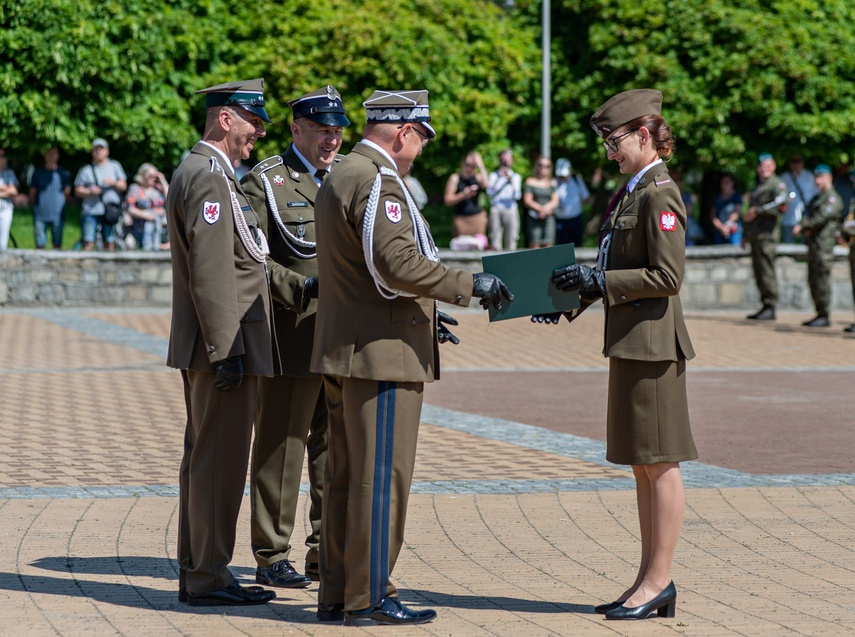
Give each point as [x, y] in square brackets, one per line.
[491, 290]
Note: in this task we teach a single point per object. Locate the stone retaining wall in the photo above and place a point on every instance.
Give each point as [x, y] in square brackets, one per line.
[716, 278]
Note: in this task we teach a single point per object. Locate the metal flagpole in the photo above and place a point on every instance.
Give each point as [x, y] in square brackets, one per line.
[546, 89]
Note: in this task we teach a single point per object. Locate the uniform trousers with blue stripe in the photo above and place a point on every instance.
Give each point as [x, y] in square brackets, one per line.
[373, 428]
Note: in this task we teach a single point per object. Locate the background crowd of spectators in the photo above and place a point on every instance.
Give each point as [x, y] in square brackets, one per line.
[112, 214]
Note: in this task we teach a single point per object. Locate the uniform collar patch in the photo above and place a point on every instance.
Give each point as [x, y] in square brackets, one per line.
[278, 180]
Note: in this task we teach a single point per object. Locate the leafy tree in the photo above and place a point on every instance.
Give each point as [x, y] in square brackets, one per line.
[479, 66]
[76, 69]
[739, 76]
[127, 70]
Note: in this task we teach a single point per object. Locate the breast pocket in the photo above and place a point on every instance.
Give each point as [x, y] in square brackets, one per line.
[627, 235]
[299, 219]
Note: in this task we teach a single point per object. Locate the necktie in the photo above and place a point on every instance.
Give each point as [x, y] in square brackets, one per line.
[320, 174]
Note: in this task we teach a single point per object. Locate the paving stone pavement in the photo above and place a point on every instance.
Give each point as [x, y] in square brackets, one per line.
[517, 525]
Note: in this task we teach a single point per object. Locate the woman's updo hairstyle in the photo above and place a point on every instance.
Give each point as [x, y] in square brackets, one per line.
[660, 133]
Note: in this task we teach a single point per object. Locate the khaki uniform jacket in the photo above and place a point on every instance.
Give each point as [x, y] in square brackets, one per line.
[822, 220]
[644, 317]
[359, 333]
[770, 198]
[220, 297]
[294, 190]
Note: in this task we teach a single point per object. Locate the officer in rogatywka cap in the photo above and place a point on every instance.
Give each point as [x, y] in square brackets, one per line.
[766, 203]
[292, 414]
[820, 226]
[220, 338]
[376, 344]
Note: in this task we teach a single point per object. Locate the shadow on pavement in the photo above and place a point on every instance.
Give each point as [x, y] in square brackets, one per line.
[495, 602]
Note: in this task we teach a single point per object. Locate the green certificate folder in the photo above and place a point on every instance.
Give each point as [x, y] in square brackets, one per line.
[528, 275]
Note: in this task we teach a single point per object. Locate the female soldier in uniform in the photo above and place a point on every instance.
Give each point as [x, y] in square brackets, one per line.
[638, 275]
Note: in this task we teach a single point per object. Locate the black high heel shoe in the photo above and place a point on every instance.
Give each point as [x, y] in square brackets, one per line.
[602, 609]
[665, 604]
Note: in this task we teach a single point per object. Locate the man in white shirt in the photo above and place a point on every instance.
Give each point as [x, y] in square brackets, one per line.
[802, 189]
[504, 188]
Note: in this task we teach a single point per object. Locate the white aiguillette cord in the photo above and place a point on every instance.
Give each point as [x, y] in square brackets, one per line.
[287, 235]
[258, 251]
[422, 237]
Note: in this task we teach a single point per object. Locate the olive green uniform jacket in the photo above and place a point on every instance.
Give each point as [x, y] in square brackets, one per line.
[359, 333]
[293, 192]
[220, 297]
[644, 317]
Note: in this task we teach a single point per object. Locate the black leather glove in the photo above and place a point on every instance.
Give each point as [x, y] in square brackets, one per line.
[228, 373]
[442, 332]
[491, 290]
[310, 287]
[580, 277]
[551, 318]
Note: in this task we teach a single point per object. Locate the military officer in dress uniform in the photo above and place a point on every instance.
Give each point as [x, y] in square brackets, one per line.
[639, 271]
[292, 411]
[376, 345]
[765, 205]
[819, 226]
[220, 338]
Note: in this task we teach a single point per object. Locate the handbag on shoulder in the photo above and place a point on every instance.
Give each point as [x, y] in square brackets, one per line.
[112, 210]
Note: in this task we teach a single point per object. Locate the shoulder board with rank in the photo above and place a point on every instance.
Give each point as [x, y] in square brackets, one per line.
[215, 166]
[662, 178]
[267, 164]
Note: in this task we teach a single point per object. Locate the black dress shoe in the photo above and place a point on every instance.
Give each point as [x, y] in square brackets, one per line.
[602, 609]
[330, 612]
[850, 329]
[282, 575]
[182, 595]
[766, 313]
[819, 321]
[312, 571]
[388, 611]
[664, 604]
[232, 595]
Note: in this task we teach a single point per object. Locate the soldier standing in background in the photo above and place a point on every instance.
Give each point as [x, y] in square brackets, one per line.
[765, 204]
[292, 412]
[819, 226]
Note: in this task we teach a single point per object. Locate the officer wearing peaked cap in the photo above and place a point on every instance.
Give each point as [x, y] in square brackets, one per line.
[376, 344]
[220, 339]
[292, 413]
[248, 94]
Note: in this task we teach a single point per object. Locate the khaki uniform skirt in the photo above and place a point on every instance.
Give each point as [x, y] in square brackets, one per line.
[648, 413]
